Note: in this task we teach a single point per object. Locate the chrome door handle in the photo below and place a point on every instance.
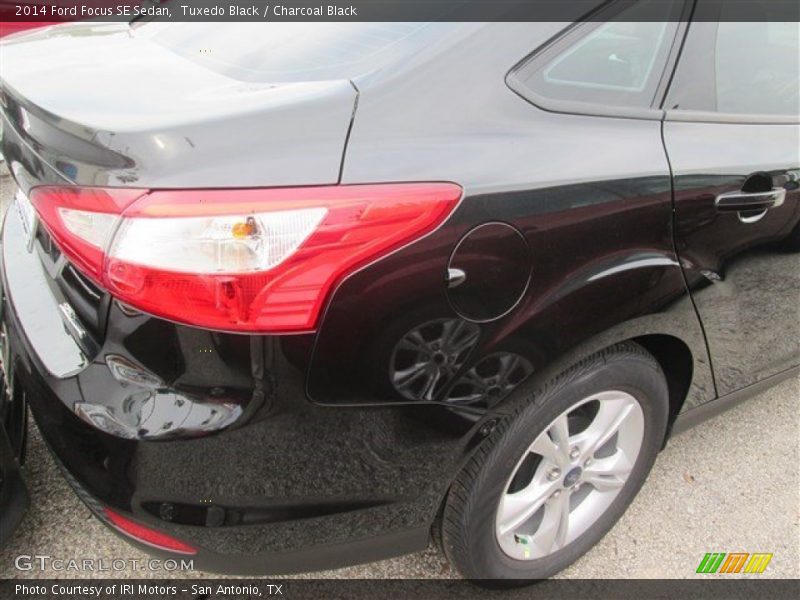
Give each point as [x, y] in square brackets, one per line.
[754, 204]
[745, 201]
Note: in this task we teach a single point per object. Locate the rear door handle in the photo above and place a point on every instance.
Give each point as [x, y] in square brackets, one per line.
[750, 201]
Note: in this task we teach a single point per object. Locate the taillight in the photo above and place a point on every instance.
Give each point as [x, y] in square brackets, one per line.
[237, 260]
[82, 220]
[146, 535]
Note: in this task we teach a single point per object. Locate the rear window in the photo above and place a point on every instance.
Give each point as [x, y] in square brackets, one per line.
[278, 52]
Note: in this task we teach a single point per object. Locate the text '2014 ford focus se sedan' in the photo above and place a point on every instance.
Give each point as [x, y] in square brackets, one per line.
[301, 298]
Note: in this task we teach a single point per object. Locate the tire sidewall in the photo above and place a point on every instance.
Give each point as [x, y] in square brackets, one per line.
[634, 373]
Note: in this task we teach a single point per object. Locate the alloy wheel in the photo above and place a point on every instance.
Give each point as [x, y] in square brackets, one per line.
[569, 475]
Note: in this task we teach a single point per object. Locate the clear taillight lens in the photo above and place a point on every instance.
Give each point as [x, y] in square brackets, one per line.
[81, 220]
[224, 244]
[92, 227]
[236, 260]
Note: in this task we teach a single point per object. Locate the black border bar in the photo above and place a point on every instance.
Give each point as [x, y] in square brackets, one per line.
[375, 10]
[714, 587]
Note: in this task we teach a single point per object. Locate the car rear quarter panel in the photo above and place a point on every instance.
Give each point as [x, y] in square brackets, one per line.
[591, 195]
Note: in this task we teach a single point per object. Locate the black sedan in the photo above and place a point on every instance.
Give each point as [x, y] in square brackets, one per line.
[285, 297]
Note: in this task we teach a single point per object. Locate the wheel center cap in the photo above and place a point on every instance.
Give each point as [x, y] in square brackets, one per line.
[572, 477]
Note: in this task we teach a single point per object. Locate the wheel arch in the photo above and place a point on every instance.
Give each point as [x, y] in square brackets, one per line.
[675, 359]
[677, 345]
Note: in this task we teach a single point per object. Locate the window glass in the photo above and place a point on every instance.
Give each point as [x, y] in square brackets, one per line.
[615, 63]
[757, 68]
[616, 56]
[746, 68]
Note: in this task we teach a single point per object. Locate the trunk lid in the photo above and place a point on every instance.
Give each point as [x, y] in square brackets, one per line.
[100, 105]
[104, 105]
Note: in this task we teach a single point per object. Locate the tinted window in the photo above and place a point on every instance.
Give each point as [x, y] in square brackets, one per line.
[747, 68]
[616, 63]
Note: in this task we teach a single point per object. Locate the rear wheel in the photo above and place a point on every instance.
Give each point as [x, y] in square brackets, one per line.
[557, 473]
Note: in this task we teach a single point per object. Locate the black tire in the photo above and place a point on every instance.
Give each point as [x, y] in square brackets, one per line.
[468, 523]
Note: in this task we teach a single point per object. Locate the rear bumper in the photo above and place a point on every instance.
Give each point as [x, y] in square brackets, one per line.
[14, 499]
[284, 485]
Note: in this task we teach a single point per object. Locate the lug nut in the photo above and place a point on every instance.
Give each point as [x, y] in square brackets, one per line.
[554, 474]
[588, 463]
[574, 453]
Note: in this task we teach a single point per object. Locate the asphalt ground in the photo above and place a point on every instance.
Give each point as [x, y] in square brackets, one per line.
[731, 484]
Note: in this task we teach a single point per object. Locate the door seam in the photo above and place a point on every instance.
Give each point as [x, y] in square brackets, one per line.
[674, 240]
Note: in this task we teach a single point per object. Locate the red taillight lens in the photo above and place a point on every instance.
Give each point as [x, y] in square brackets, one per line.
[237, 260]
[82, 220]
[144, 534]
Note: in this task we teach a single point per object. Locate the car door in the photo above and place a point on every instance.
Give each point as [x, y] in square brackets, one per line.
[733, 140]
